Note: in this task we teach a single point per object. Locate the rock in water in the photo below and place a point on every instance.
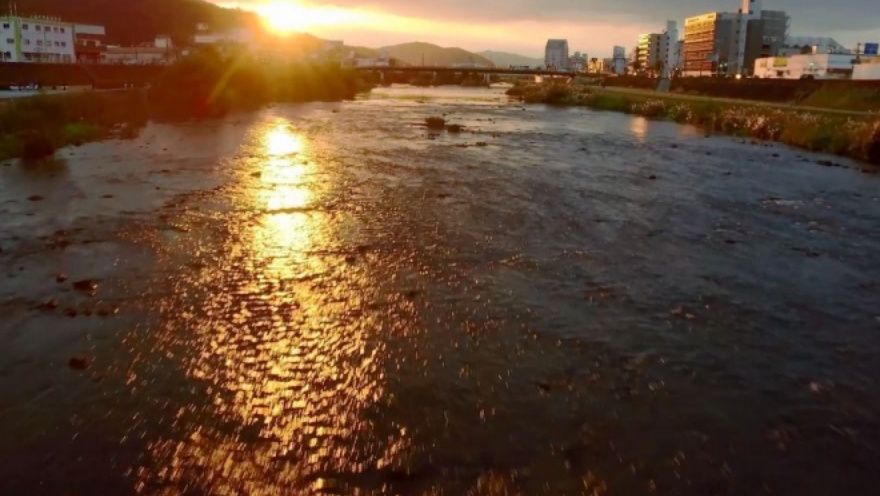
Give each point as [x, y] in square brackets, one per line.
[85, 285]
[79, 362]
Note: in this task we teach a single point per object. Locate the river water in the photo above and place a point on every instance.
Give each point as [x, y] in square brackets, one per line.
[331, 299]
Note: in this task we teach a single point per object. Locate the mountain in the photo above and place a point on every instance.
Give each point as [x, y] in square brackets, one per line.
[504, 59]
[418, 52]
[130, 22]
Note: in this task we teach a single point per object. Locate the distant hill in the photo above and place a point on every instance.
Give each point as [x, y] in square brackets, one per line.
[415, 53]
[504, 59]
[135, 21]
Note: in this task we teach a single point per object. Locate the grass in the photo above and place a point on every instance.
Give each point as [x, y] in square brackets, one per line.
[855, 137]
[35, 127]
[204, 85]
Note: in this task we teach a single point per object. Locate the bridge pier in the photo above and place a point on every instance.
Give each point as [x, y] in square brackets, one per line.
[488, 79]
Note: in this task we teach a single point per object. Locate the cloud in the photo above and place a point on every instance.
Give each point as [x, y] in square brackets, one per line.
[818, 14]
[591, 25]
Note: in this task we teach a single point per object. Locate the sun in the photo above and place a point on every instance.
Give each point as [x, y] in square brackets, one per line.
[287, 16]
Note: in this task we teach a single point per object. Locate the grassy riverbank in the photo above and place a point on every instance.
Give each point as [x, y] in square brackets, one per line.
[857, 137]
[36, 127]
[202, 86]
[210, 85]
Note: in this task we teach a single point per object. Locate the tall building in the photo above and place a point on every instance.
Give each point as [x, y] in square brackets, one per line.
[766, 37]
[649, 52]
[556, 54]
[618, 60]
[729, 42]
[658, 52]
[671, 47]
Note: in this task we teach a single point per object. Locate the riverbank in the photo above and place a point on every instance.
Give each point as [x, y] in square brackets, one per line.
[203, 86]
[33, 128]
[854, 136]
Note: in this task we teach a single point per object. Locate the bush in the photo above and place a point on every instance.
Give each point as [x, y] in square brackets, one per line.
[36, 145]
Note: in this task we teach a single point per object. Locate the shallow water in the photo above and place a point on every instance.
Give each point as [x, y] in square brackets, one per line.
[329, 299]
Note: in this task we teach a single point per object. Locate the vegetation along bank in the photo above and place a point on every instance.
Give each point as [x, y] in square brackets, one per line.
[206, 85]
[856, 136]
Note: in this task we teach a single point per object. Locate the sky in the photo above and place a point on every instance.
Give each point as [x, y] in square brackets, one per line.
[523, 26]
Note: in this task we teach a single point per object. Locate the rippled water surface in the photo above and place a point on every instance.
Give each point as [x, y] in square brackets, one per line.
[330, 299]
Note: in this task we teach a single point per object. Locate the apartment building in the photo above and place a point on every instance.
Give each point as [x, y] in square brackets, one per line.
[650, 51]
[659, 52]
[36, 39]
[728, 43]
[556, 54]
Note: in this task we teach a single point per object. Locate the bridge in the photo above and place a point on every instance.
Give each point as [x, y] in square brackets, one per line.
[486, 71]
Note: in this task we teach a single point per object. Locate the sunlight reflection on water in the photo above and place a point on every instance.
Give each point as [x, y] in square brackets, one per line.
[291, 371]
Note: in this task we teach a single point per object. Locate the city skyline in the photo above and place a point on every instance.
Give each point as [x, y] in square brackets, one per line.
[589, 26]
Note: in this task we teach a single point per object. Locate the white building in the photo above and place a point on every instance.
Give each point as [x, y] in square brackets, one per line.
[812, 66]
[671, 48]
[36, 39]
[230, 37]
[556, 54]
[869, 69]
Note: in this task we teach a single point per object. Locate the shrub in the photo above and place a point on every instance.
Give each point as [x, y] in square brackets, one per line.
[36, 145]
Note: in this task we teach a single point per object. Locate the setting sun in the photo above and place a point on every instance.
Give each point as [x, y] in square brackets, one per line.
[285, 16]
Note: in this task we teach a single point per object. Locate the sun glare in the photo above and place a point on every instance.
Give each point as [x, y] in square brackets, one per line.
[286, 16]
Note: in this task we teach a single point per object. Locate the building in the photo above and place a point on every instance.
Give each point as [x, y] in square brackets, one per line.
[727, 43]
[658, 52]
[89, 41]
[649, 52]
[811, 66]
[36, 39]
[670, 48]
[765, 37]
[578, 62]
[707, 43]
[556, 54]
[233, 37]
[867, 69]
[161, 51]
[618, 61]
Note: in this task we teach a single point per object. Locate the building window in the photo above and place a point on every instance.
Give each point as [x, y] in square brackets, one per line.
[10, 41]
[5, 25]
[27, 42]
[39, 42]
[38, 28]
[64, 43]
[62, 30]
[24, 27]
[55, 29]
[58, 44]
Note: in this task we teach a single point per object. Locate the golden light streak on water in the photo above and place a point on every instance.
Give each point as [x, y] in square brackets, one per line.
[284, 352]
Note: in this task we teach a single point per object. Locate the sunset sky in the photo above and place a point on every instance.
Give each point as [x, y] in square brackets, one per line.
[523, 26]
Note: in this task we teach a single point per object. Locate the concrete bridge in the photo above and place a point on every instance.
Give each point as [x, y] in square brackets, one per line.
[487, 72]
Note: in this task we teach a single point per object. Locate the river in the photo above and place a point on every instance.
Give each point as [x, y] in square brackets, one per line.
[330, 299]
